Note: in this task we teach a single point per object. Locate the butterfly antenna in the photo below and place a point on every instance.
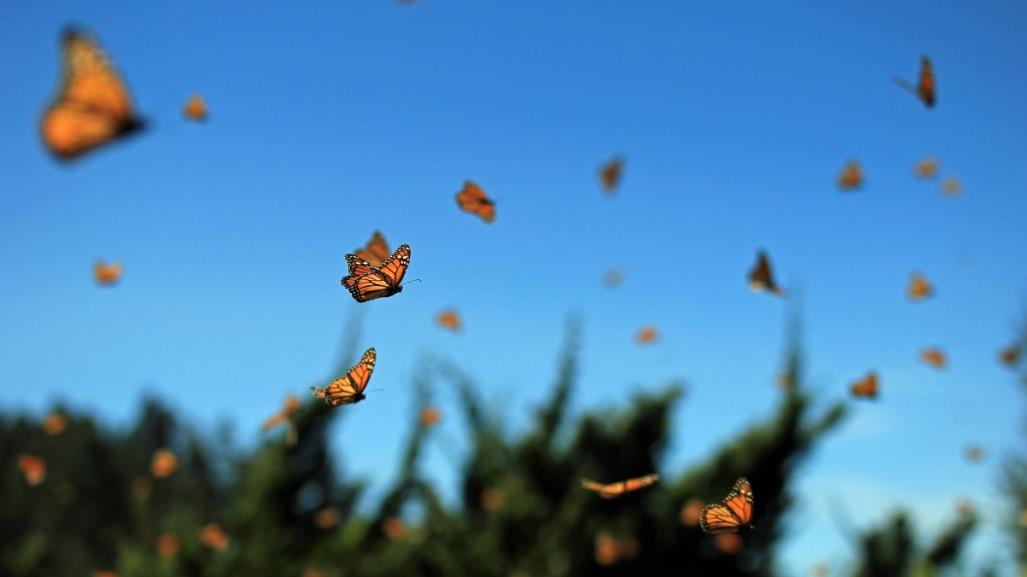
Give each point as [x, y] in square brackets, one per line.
[411, 280]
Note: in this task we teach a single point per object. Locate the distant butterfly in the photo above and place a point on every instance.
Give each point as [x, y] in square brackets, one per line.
[647, 335]
[851, 177]
[926, 169]
[919, 288]
[732, 514]
[376, 250]
[613, 490]
[213, 536]
[349, 388]
[925, 88]
[366, 282]
[951, 186]
[163, 463]
[449, 319]
[691, 511]
[1010, 355]
[55, 423]
[974, 453]
[761, 276]
[33, 468]
[613, 277]
[866, 387]
[167, 545]
[934, 357]
[472, 199]
[195, 108]
[610, 175]
[430, 416]
[92, 105]
[107, 274]
[288, 410]
[728, 543]
[786, 380]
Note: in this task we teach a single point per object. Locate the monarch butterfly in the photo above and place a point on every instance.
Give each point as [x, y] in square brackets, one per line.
[349, 388]
[1010, 355]
[866, 387]
[195, 108]
[376, 250]
[613, 277]
[925, 89]
[610, 174]
[934, 357]
[292, 404]
[613, 490]
[163, 463]
[919, 287]
[926, 168]
[33, 468]
[733, 513]
[449, 319]
[647, 335]
[167, 545]
[92, 105]
[851, 177]
[213, 536]
[430, 416]
[55, 423]
[951, 186]
[366, 282]
[473, 199]
[107, 274]
[761, 276]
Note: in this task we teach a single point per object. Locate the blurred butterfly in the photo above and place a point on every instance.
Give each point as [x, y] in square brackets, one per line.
[647, 335]
[691, 511]
[92, 105]
[376, 250]
[851, 177]
[1010, 355]
[821, 570]
[285, 416]
[951, 186]
[926, 169]
[55, 423]
[107, 274]
[613, 277]
[613, 490]
[733, 513]
[195, 108]
[367, 282]
[167, 545]
[349, 388]
[925, 87]
[919, 287]
[449, 319]
[213, 536]
[163, 463]
[866, 387]
[934, 357]
[33, 468]
[761, 276]
[610, 175]
[472, 199]
[430, 417]
[728, 543]
[974, 453]
[786, 380]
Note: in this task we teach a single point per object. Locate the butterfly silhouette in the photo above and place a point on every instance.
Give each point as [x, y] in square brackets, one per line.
[866, 387]
[761, 276]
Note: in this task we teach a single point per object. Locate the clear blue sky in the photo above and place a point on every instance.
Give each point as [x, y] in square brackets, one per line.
[331, 119]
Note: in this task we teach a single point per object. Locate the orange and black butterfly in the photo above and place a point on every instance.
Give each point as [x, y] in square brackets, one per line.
[1010, 355]
[647, 335]
[195, 109]
[610, 174]
[449, 319]
[925, 89]
[473, 199]
[92, 106]
[866, 387]
[732, 514]
[761, 276]
[919, 287]
[33, 468]
[851, 177]
[106, 274]
[376, 250]
[934, 357]
[349, 388]
[613, 490]
[367, 282]
[926, 169]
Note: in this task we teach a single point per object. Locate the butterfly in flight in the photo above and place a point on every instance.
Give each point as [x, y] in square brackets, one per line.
[613, 490]
[974, 453]
[934, 357]
[375, 251]
[33, 468]
[610, 175]
[1010, 355]
[92, 106]
[367, 282]
[951, 186]
[926, 169]
[106, 274]
[613, 277]
[473, 199]
[647, 335]
[761, 276]
[919, 287]
[449, 319]
[349, 388]
[195, 109]
[851, 177]
[733, 513]
[925, 89]
[866, 387]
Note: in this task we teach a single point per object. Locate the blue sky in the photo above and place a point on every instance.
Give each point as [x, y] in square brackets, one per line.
[331, 119]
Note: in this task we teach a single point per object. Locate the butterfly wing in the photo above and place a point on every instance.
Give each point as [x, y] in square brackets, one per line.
[730, 515]
[92, 107]
[605, 491]
[349, 388]
[740, 500]
[761, 276]
[395, 267]
[473, 199]
[609, 174]
[925, 88]
[358, 267]
[376, 250]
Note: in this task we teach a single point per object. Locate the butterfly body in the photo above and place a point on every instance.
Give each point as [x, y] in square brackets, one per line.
[614, 490]
[732, 514]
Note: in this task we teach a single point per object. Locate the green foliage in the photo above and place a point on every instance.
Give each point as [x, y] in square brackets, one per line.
[892, 550]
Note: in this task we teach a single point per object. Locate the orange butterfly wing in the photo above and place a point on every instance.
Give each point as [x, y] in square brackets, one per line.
[866, 387]
[376, 251]
[349, 388]
[610, 173]
[611, 490]
[732, 514]
[92, 107]
[358, 267]
[925, 88]
[473, 199]
[761, 276]
[395, 267]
